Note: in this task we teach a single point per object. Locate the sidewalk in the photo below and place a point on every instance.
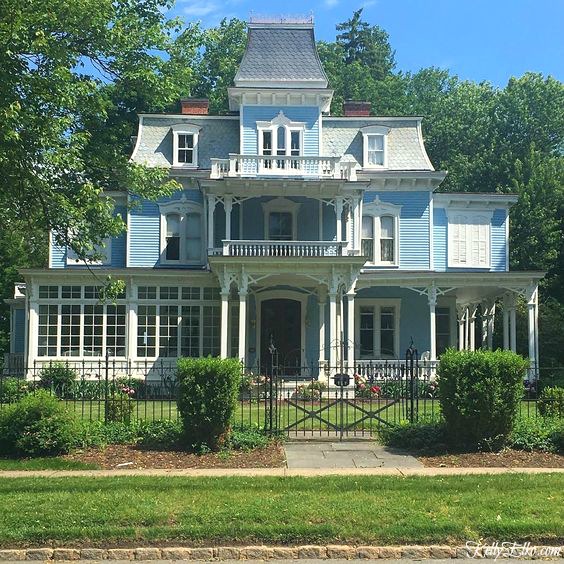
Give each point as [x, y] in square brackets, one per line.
[280, 472]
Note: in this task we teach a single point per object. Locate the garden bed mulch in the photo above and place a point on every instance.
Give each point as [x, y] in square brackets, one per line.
[131, 457]
[505, 459]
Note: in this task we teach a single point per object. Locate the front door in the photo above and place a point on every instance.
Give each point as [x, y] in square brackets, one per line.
[281, 326]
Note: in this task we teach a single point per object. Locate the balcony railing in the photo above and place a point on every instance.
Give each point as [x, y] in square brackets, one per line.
[250, 248]
[283, 165]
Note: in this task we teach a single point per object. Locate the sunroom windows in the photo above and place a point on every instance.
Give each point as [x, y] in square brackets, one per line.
[185, 145]
[181, 233]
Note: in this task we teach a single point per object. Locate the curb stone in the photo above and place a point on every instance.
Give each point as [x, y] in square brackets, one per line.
[261, 552]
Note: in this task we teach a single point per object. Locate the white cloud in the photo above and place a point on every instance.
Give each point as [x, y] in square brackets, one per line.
[200, 8]
[331, 3]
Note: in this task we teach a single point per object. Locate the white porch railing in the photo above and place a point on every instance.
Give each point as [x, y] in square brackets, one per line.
[283, 165]
[251, 248]
[393, 369]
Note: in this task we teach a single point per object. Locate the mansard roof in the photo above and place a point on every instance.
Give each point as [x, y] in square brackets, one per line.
[281, 55]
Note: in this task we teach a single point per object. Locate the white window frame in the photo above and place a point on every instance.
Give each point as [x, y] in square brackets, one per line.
[376, 210]
[185, 129]
[289, 126]
[377, 304]
[281, 205]
[182, 208]
[468, 219]
[373, 130]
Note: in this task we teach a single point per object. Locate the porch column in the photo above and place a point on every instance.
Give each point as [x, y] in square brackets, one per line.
[491, 326]
[339, 216]
[131, 321]
[505, 323]
[512, 323]
[322, 300]
[32, 334]
[211, 209]
[460, 310]
[350, 327]
[224, 323]
[228, 206]
[333, 344]
[242, 324]
[432, 298]
[472, 327]
[532, 325]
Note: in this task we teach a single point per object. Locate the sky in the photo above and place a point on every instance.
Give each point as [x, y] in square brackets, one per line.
[479, 40]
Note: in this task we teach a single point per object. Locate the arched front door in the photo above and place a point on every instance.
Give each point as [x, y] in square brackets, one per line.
[280, 321]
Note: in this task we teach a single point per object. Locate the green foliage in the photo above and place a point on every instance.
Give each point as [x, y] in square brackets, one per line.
[420, 437]
[537, 434]
[13, 389]
[551, 402]
[247, 438]
[207, 396]
[37, 425]
[59, 378]
[165, 434]
[118, 407]
[100, 434]
[479, 394]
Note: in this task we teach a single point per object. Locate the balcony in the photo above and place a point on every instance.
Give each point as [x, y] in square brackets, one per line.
[249, 166]
[248, 248]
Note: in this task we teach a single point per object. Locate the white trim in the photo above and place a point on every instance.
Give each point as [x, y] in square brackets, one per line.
[138, 140]
[378, 303]
[431, 233]
[282, 295]
[473, 201]
[422, 146]
[185, 129]
[127, 235]
[280, 205]
[507, 241]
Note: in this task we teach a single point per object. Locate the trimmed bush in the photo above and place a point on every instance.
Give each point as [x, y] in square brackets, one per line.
[479, 394]
[37, 425]
[13, 389]
[163, 434]
[551, 402]
[207, 397]
[59, 378]
[419, 437]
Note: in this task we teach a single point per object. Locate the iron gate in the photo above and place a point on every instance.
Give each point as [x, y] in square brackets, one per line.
[341, 402]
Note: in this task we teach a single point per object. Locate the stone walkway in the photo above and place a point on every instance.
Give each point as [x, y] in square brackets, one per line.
[346, 454]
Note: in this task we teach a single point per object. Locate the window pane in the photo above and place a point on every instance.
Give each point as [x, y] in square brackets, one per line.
[93, 330]
[70, 330]
[194, 237]
[366, 332]
[387, 330]
[147, 292]
[367, 249]
[280, 226]
[367, 227]
[172, 248]
[168, 331]
[387, 250]
[47, 330]
[387, 226]
[172, 225]
[190, 331]
[146, 331]
[211, 326]
[189, 293]
[70, 292]
[115, 330]
[295, 142]
[267, 142]
[375, 142]
[168, 292]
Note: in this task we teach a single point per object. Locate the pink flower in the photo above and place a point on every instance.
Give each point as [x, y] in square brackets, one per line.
[362, 386]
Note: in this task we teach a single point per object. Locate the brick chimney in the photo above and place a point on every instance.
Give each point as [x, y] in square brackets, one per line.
[194, 106]
[352, 108]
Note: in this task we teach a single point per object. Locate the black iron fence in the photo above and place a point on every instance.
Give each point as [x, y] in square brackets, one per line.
[314, 399]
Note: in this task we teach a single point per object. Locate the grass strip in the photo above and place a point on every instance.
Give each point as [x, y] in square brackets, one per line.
[367, 509]
[48, 463]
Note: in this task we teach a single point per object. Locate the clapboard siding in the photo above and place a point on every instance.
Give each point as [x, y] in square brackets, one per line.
[440, 224]
[414, 241]
[19, 330]
[499, 242]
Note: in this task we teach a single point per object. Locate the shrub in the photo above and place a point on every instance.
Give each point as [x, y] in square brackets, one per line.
[479, 394]
[13, 389]
[421, 437]
[207, 397]
[37, 425]
[59, 378]
[163, 434]
[119, 407]
[551, 402]
[100, 434]
[247, 438]
[536, 434]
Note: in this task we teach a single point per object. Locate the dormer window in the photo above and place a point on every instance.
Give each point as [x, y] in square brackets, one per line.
[375, 146]
[185, 145]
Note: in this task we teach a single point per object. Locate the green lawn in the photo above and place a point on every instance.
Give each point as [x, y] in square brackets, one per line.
[43, 464]
[375, 509]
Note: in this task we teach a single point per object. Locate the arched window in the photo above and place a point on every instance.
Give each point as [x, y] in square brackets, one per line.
[380, 233]
[172, 251]
[387, 235]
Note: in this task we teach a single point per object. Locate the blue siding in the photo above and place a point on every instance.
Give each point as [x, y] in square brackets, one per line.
[58, 255]
[414, 241]
[499, 242]
[119, 243]
[19, 330]
[307, 114]
[440, 226]
[144, 235]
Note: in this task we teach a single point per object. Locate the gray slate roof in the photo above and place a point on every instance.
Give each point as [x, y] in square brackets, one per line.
[282, 55]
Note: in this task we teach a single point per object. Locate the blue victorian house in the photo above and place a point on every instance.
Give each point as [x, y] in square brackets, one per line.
[325, 236]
